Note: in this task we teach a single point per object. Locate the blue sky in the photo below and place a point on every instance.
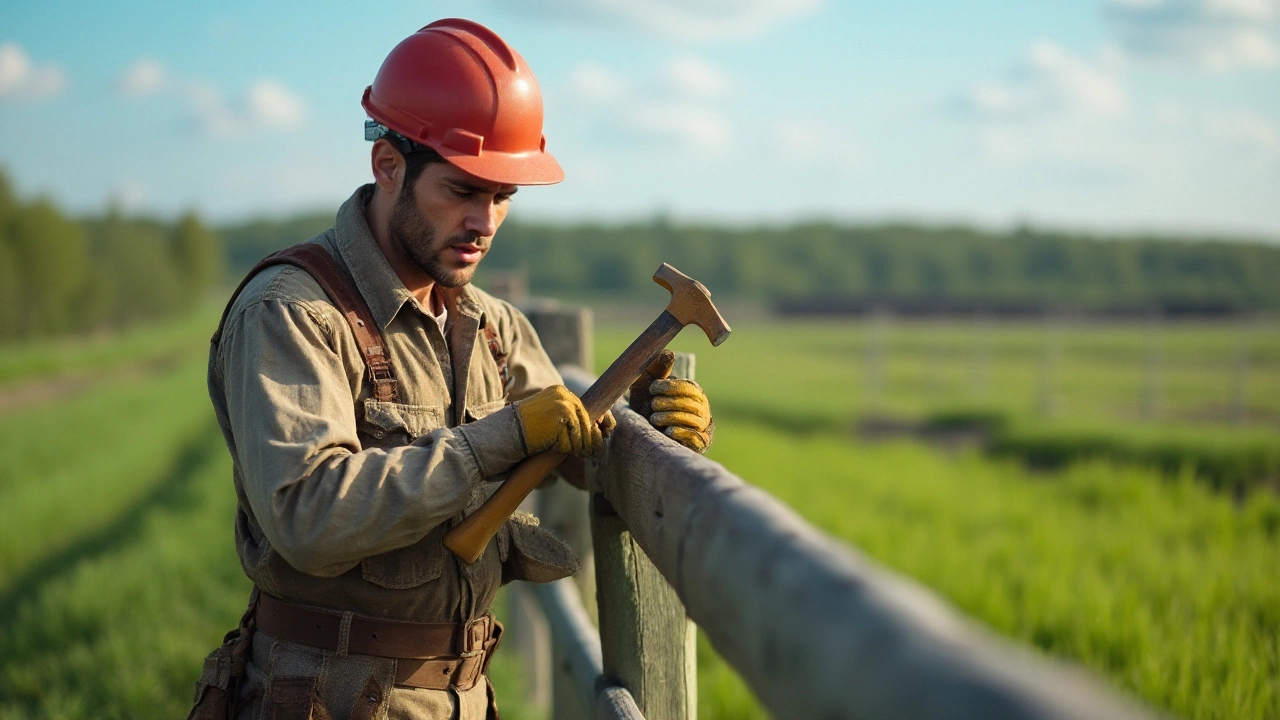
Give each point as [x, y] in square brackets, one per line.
[1092, 115]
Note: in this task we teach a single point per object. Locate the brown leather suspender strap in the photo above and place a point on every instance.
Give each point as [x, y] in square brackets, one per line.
[499, 358]
[341, 289]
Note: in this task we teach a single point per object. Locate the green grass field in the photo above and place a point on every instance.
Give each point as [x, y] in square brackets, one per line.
[75, 358]
[117, 572]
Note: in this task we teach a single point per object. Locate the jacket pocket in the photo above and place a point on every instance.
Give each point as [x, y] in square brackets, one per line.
[407, 567]
[392, 424]
[475, 411]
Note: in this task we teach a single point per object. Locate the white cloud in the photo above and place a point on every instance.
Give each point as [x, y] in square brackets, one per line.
[694, 77]
[810, 143]
[1057, 112]
[20, 79]
[271, 104]
[1245, 130]
[673, 108]
[144, 77]
[1051, 80]
[597, 83]
[684, 19]
[689, 127]
[266, 105]
[1216, 35]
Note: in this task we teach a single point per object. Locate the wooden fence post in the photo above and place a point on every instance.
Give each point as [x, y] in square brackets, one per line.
[1047, 381]
[980, 357]
[1240, 375]
[565, 332]
[566, 335]
[531, 640]
[873, 359]
[648, 642]
[1152, 386]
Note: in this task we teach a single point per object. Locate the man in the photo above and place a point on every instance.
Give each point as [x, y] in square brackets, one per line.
[356, 448]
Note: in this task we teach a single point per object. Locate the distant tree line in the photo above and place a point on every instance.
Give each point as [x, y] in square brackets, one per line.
[843, 264]
[61, 275]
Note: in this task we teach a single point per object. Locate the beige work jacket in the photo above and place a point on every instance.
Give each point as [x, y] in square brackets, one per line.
[343, 499]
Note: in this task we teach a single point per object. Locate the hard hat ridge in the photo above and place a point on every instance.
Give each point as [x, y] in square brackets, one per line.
[468, 30]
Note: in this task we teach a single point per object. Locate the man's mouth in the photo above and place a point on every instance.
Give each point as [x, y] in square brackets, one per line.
[469, 252]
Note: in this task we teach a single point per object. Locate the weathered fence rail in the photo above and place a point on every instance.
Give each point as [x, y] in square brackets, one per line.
[814, 628]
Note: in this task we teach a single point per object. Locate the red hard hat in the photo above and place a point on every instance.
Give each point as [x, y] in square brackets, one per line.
[456, 87]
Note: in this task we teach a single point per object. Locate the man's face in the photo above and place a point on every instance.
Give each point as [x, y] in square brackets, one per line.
[445, 223]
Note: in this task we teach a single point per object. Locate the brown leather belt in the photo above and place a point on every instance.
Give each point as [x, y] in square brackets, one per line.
[427, 655]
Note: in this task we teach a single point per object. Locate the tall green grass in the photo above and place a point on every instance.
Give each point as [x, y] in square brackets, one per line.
[118, 570]
[80, 465]
[1163, 586]
[118, 630]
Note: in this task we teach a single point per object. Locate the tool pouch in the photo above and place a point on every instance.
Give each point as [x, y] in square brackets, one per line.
[533, 554]
[217, 690]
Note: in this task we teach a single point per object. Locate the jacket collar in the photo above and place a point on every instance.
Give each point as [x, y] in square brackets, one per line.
[374, 278]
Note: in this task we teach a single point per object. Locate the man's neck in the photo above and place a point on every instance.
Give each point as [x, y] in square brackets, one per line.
[377, 215]
[435, 303]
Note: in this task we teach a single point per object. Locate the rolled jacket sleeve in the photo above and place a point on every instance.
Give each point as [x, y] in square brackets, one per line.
[322, 501]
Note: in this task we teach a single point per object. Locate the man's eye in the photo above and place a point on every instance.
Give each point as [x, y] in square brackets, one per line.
[460, 193]
[503, 198]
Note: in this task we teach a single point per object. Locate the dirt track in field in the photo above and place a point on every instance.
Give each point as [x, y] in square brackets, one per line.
[27, 393]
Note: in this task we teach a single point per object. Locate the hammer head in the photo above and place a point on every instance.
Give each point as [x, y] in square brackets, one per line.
[691, 303]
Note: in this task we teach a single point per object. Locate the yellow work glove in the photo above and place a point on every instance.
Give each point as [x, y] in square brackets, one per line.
[555, 419]
[674, 406]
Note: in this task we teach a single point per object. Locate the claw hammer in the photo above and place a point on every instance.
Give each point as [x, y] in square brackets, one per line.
[690, 305]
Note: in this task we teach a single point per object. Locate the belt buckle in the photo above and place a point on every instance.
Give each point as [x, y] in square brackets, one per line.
[474, 636]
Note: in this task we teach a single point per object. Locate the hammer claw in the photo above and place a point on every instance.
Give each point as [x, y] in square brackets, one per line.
[691, 303]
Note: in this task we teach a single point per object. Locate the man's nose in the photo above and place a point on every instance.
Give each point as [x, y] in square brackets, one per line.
[483, 218]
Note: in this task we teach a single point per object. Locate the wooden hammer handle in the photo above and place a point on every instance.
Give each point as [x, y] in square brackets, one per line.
[638, 356]
[469, 538]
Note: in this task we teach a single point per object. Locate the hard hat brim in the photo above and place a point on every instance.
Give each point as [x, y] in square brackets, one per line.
[529, 168]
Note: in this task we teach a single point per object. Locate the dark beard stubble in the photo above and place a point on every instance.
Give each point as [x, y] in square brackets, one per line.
[410, 231]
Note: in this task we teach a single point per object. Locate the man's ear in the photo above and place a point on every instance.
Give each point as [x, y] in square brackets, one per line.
[388, 167]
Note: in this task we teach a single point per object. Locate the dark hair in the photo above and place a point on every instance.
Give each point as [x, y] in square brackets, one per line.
[416, 156]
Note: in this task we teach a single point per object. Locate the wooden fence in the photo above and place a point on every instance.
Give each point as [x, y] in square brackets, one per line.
[670, 538]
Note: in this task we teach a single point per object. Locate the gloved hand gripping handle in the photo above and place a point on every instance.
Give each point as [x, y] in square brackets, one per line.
[690, 304]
